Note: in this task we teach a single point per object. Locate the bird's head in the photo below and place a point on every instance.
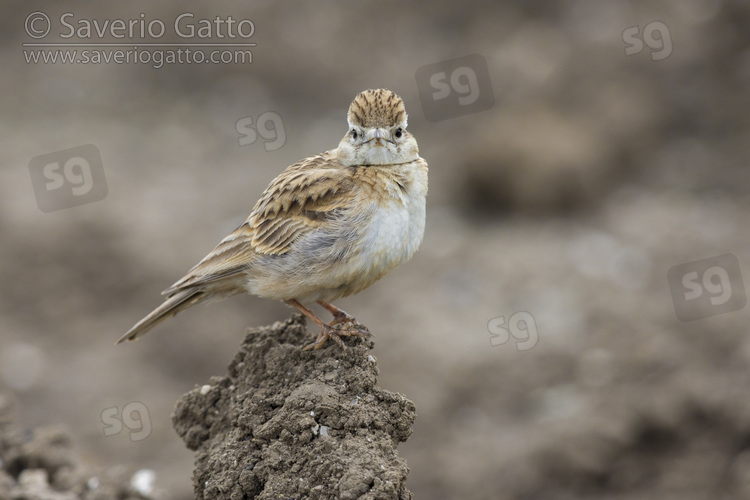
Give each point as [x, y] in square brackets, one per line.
[377, 131]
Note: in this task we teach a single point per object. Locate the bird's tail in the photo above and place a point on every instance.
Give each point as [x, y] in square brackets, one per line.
[174, 304]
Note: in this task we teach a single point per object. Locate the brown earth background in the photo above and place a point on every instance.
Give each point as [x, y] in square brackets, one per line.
[570, 198]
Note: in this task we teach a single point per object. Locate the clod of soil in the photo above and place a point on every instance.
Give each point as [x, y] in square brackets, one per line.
[287, 423]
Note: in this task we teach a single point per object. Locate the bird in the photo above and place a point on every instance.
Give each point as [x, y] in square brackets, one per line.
[327, 227]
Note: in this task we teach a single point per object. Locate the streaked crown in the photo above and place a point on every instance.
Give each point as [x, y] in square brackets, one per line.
[379, 108]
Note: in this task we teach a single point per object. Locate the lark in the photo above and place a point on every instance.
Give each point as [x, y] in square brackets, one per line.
[329, 226]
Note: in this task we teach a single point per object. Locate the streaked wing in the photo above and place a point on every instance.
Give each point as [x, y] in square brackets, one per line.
[301, 199]
[307, 195]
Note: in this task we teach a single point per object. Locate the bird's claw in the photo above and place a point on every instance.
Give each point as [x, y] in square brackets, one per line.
[336, 330]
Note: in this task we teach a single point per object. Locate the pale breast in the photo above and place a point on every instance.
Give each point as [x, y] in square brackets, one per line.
[395, 227]
[393, 233]
[382, 229]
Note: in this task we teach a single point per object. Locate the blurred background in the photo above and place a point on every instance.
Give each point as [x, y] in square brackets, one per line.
[574, 324]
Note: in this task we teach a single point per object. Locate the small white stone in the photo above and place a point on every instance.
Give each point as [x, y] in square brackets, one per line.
[370, 358]
[143, 481]
[36, 478]
[315, 429]
[205, 389]
[312, 413]
[93, 483]
[323, 430]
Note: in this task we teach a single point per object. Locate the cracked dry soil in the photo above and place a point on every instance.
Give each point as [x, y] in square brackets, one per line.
[287, 423]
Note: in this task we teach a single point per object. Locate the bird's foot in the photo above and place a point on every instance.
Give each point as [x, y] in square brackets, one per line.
[336, 330]
[343, 325]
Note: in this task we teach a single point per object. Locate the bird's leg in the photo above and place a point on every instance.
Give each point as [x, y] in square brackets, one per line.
[339, 315]
[327, 331]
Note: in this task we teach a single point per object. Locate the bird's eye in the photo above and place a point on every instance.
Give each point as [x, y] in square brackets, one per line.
[354, 134]
[399, 132]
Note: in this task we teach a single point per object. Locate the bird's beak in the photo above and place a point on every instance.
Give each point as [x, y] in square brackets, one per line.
[378, 136]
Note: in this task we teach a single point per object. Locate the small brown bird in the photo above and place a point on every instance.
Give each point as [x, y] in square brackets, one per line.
[327, 227]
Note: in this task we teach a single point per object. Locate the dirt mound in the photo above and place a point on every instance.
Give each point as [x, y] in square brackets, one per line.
[296, 424]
